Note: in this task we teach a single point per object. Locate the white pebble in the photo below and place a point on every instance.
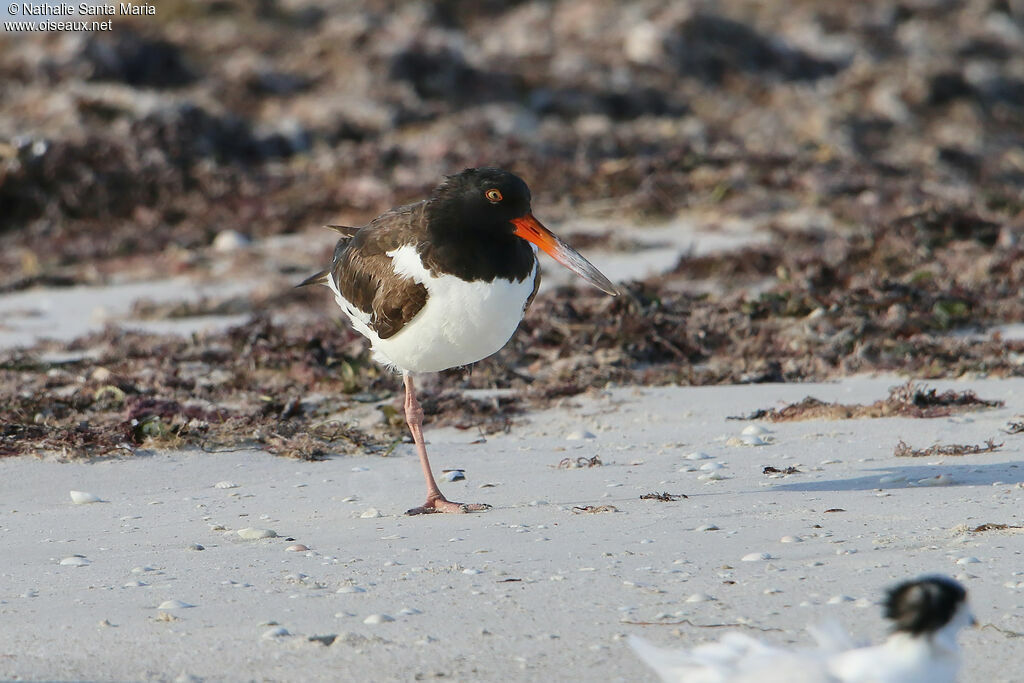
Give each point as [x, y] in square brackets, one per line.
[174, 604]
[229, 240]
[370, 513]
[378, 619]
[225, 485]
[698, 455]
[711, 466]
[251, 534]
[83, 498]
[579, 435]
[749, 440]
[755, 430]
[756, 557]
[839, 599]
[454, 475]
[75, 561]
[472, 571]
[296, 548]
[277, 632]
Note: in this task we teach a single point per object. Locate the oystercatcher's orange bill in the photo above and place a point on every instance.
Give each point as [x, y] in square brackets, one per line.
[531, 230]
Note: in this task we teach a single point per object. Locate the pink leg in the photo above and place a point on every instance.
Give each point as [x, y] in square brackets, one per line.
[436, 502]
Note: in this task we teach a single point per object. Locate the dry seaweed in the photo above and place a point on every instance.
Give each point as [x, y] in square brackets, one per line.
[775, 470]
[665, 496]
[904, 450]
[884, 235]
[906, 400]
[994, 526]
[593, 509]
[1014, 427]
[571, 463]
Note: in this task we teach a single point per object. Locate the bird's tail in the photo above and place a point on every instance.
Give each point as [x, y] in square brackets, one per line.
[318, 279]
[347, 232]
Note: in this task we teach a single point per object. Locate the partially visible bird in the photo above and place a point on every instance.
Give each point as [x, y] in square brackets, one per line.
[927, 614]
[444, 282]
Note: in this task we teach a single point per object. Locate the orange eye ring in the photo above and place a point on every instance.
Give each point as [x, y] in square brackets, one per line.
[493, 196]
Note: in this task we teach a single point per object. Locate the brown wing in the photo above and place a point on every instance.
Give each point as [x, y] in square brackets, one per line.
[366, 278]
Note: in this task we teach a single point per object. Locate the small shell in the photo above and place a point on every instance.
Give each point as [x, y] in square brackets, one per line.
[698, 455]
[700, 597]
[370, 513]
[75, 561]
[225, 485]
[790, 539]
[378, 619]
[755, 430]
[706, 527]
[174, 604]
[839, 599]
[251, 534]
[276, 632]
[297, 548]
[756, 557]
[82, 498]
[968, 560]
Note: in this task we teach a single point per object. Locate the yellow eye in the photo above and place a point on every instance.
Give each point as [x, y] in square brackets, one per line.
[493, 195]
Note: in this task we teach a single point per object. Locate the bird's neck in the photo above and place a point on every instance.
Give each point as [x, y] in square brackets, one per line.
[477, 252]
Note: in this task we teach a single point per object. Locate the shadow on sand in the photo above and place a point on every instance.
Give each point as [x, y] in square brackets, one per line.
[967, 474]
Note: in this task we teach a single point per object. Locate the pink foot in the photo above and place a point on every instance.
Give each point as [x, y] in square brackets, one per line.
[434, 505]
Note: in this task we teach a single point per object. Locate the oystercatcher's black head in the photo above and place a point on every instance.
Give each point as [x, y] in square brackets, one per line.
[493, 204]
[480, 199]
[926, 605]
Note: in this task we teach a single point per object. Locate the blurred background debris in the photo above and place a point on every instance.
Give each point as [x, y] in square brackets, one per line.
[869, 156]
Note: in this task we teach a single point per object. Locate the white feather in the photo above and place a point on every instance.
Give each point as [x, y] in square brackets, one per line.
[461, 323]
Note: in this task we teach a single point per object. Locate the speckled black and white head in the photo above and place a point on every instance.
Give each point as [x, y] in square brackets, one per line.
[928, 605]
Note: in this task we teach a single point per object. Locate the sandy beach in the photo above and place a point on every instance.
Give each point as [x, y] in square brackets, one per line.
[537, 588]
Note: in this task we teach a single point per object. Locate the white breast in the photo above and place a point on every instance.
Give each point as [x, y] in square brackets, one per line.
[461, 323]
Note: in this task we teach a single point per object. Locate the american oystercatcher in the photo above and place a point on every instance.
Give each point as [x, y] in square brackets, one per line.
[927, 614]
[444, 282]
